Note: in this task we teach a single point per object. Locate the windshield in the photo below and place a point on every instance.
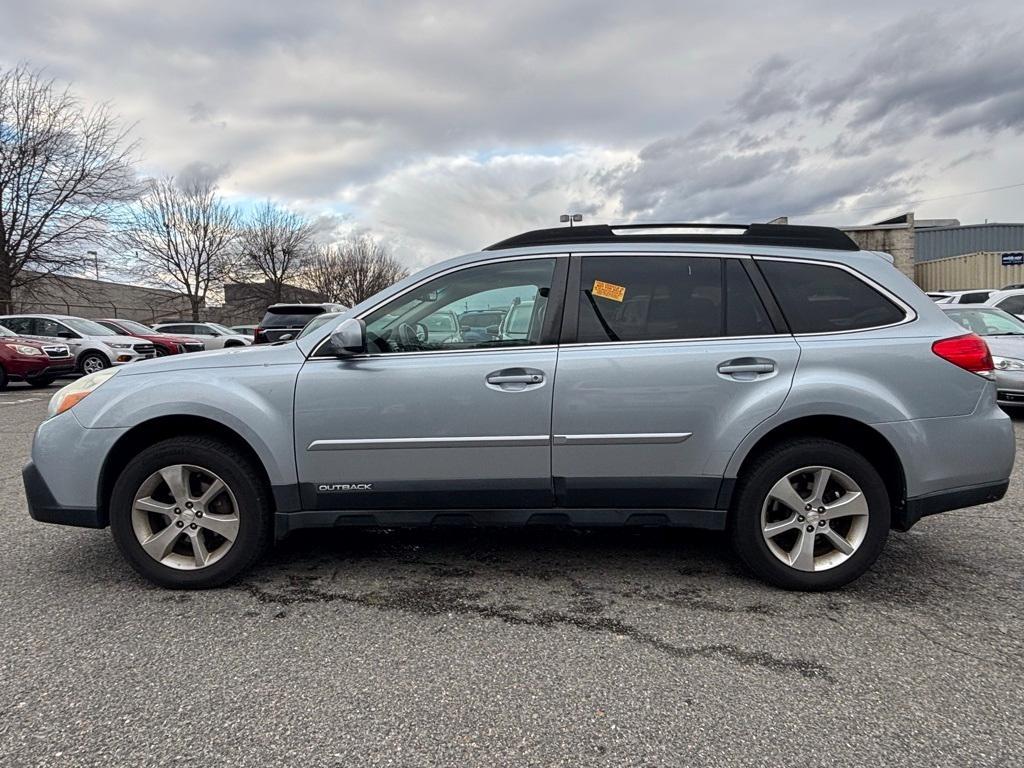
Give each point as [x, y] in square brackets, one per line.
[4, 331]
[133, 327]
[221, 329]
[988, 322]
[87, 327]
[318, 322]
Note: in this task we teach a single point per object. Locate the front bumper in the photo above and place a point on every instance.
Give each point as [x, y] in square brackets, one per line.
[42, 505]
[62, 478]
[1009, 387]
[126, 356]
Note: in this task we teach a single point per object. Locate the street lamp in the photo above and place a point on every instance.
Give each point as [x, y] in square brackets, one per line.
[571, 218]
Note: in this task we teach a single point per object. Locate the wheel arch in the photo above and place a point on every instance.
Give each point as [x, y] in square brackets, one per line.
[91, 351]
[160, 428]
[855, 434]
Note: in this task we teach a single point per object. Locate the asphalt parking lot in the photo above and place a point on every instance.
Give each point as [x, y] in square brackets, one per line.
[536, 647]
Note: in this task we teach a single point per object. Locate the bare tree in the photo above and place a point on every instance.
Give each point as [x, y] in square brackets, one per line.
[66, 171]
[353, 270]
[182, 235]
[273, 245]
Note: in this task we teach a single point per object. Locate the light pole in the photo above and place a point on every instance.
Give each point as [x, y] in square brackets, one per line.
[95, 262]
[571, 218]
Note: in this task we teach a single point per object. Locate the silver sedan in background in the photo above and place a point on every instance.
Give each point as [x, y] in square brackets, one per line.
[1004, 334]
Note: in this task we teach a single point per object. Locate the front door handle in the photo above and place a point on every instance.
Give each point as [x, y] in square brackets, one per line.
[515, 379]
[747, 367]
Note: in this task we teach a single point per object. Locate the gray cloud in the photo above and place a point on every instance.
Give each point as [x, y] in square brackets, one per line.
[449, 125]
[200, 171]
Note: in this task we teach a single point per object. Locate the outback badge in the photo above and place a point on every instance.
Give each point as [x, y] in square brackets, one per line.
[337, 487]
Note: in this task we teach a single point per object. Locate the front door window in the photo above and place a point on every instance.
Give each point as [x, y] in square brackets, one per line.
[467, 309]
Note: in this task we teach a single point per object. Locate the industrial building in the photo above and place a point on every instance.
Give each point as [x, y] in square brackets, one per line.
[943, 254]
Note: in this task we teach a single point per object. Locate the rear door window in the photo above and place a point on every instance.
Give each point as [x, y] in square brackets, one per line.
[651, 298]
[821, 299]
[1012, 304]
[20, 325]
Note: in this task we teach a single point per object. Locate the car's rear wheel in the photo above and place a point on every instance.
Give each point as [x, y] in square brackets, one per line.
[92, 362]
[190, 513]
[812, 514]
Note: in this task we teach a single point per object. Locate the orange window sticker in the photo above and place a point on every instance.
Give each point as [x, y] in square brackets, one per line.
[609, 290]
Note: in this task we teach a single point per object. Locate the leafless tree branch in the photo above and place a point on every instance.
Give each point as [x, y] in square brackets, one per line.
[66, 173]
[353, 270]
[181, 237]
[273, 245]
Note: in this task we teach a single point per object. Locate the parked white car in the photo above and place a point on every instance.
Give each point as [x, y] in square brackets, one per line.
[1011, 301]
[92, 344]
[974, 296]
[213, 335]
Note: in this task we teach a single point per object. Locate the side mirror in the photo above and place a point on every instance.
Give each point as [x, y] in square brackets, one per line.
[349, 338]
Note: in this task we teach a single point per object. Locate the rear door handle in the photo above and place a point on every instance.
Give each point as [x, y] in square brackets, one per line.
[747, 365]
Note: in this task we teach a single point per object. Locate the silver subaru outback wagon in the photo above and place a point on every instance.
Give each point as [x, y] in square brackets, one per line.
[771, 381]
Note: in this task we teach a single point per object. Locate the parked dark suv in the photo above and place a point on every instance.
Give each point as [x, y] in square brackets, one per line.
[283, 322]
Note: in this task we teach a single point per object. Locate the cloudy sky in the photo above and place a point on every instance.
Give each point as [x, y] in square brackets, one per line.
[444, 126]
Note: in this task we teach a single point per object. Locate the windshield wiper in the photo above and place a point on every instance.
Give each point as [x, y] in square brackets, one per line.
[1006, 333]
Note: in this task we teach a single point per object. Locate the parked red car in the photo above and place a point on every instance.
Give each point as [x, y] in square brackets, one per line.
[36, 362]
[165, 343]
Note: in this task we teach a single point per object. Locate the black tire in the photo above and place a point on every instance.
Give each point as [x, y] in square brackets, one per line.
[745, 525]
[255, 510]
[228, 344]
[160, 351]
[3, 378]
[101, 359]
[41, 381]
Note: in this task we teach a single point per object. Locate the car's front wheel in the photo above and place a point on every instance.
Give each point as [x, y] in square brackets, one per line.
[190, 513]
[812, 514]
[41, 381]
[92, 362]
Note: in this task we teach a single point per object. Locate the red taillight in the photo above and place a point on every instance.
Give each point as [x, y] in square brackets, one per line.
[969, 352]
[256, 333]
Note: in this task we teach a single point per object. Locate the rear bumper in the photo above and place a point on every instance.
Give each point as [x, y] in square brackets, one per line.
[42, 505]
[945, 501]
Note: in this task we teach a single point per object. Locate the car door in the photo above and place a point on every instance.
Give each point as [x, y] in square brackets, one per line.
[667, 362]
[446, 423]
[204, 333]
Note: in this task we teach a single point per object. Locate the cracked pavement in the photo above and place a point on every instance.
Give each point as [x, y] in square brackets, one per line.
[531, 647]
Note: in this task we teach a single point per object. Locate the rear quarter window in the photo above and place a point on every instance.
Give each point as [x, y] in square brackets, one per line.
[289, 319]
[821, 299]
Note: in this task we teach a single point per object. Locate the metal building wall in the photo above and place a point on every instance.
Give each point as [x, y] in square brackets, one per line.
[972, 270]
[943, 242]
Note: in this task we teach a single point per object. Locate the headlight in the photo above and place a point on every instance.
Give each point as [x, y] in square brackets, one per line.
[1008, 363]
[21, 349]
[120, 346]
[77, 391]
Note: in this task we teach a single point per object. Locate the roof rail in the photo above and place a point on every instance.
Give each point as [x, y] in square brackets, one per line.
[751, 234]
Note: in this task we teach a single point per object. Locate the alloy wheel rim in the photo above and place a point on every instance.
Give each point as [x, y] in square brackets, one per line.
[92, 364]
[185, 517]
[814, 518]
